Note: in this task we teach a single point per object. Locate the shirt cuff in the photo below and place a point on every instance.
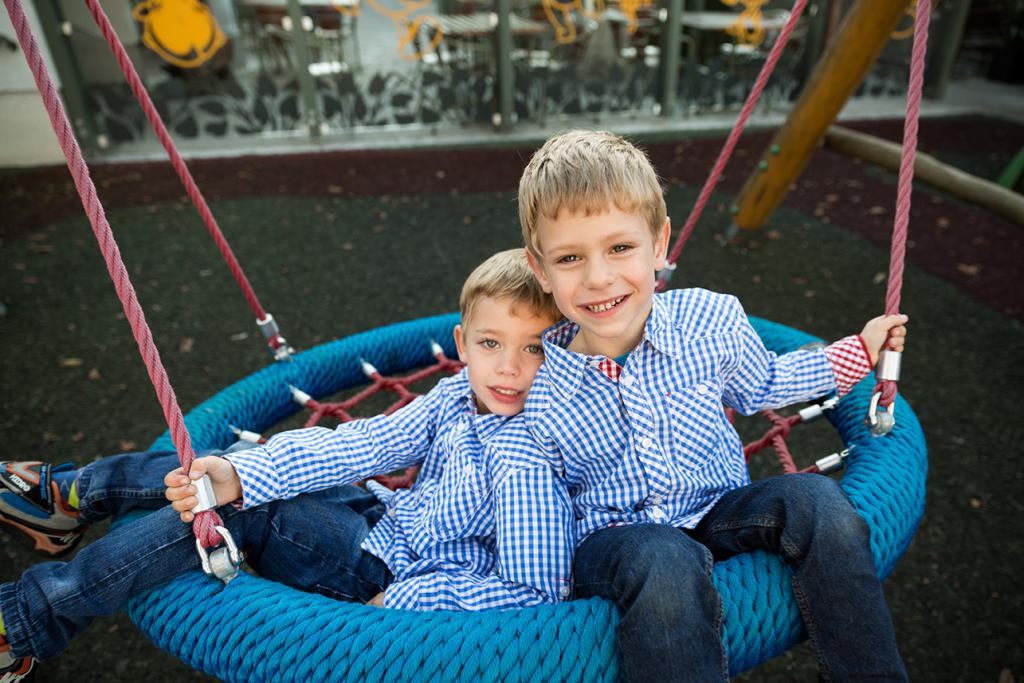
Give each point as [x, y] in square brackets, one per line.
[260, 483]
[850, 362]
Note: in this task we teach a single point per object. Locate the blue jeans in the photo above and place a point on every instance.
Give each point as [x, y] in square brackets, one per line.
[310, 542]
[671, 614]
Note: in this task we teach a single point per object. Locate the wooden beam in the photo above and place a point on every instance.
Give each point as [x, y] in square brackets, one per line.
[855, 47]
[928, 169]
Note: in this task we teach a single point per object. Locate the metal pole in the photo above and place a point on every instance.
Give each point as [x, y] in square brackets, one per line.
[302, 57]
[506, 75]
[57, 31]
[671, 35]
[947, 39]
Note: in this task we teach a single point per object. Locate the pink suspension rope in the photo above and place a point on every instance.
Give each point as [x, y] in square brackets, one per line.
[730, 144]
[204, 522]
[902, 217]
[275, 341]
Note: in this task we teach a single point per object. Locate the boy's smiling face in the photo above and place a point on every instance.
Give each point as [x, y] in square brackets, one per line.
[501, 347]
[600, 270]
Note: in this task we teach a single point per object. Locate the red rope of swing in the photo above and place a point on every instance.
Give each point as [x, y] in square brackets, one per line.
[734, 135]
[204, 523]
[906, 181]
[135, 82]
[910, 129]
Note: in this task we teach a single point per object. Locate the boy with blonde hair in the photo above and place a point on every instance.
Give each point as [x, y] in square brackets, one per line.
[296, 514]
[629, 399]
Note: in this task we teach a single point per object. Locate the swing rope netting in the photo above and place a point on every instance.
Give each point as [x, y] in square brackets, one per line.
[257, 639]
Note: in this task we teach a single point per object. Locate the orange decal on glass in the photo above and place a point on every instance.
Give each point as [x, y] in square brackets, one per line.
[748, 28]
[183, 32]
[559, 13]
[408, 26]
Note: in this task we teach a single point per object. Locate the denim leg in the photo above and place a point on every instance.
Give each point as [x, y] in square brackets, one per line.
[808, 520]
[118, 484]
[670, 626]
[305, 542]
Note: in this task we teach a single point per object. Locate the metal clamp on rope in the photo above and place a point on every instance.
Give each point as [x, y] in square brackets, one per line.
[223, 562]
[665, 274]
[813, 412]
[272, 333]
[204, 494]
[832, 463]
[881, 420]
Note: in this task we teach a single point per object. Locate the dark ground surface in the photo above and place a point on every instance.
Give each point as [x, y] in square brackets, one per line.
[338, 243]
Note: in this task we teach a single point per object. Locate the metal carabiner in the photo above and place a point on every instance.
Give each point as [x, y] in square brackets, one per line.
[224, 561]
[880, 420]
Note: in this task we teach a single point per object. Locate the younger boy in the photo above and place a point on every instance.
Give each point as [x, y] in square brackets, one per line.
[429, 547]
[630, 398]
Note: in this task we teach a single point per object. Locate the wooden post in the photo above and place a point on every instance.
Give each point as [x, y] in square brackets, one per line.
[855, 47]
[928, 169]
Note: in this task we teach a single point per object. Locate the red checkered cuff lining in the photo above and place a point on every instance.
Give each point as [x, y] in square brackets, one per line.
[850, 362]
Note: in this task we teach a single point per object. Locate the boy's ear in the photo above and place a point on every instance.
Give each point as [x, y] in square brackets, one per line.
[661, 245]
[538, 272]
[459, 342]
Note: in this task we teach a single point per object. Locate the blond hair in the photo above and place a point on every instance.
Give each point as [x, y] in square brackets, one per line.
[506, 275]
[584, 172]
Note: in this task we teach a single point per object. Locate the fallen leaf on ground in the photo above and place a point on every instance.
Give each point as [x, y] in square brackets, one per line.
[127, 445]
[70, 362]
[968, 268]
[94, 374]
[876, 210]
[185, 344]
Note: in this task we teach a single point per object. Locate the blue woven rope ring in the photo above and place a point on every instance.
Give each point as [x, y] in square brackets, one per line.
[242, 633]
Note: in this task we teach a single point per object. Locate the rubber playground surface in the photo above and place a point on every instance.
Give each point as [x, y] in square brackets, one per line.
[343, 242]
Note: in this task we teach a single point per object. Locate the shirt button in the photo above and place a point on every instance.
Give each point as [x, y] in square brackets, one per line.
[628, 380]
[564, 591]
[658, 514]
[702, 389]
[657, 500]
[468, 469]
[646, 443]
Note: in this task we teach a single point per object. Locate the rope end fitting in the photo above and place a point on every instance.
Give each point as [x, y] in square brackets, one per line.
[882, 418]
[245, 434]
[832, 463]
[272, 334]
[299, 396]
[367, 368]
[435, 350]
[224, 561]
[813, 412]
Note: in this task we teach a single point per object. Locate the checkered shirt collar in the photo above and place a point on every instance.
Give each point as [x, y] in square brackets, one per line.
[565, 368]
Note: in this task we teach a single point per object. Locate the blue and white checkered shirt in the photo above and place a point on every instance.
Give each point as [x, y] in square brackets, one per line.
[650, 443]
[437, 538]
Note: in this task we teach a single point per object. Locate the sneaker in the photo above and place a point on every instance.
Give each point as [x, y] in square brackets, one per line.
[33, 511]
[13, 670]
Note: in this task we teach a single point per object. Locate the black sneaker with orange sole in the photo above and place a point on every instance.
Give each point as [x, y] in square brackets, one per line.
[33, 511]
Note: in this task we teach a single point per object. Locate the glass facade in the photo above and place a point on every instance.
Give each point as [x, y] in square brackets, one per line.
[246, 69]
